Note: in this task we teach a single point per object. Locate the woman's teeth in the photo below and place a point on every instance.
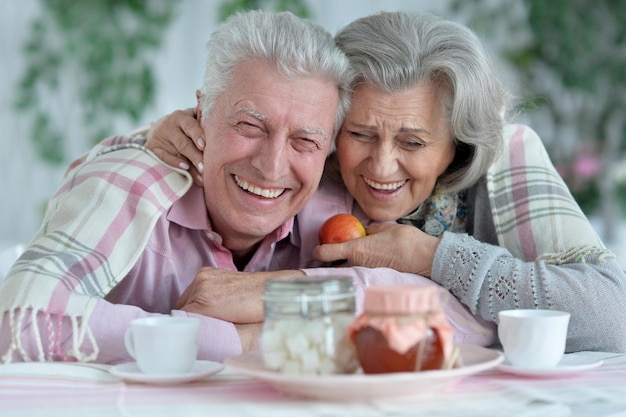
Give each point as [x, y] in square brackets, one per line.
[390, 186]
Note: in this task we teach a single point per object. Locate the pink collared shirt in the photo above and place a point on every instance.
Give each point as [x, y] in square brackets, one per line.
[182, 242]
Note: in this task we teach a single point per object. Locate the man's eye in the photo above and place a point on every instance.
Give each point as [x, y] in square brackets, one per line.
[246, 128]
[307, 144]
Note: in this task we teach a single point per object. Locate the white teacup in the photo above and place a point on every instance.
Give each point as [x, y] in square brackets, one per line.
[163, 345]
[533, 338]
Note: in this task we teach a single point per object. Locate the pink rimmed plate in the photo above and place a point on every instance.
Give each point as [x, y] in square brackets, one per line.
[361, 387]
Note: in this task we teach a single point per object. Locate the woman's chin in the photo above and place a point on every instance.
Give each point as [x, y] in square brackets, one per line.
[382, 216]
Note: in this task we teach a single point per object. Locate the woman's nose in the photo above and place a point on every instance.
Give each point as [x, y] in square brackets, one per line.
[383, 160]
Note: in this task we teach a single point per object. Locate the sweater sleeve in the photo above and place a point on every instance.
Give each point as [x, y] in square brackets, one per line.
[488, 279]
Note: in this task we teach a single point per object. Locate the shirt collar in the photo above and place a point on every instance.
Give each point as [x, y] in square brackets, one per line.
[190, 212]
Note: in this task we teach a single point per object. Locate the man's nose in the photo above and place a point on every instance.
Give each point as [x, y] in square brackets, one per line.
[272, 157]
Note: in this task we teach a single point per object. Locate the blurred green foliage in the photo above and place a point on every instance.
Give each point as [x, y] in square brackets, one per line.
[105, 50]
[571, 60]
[297, 7]
[621, 197]
[585, 41]
[588, 198]
[582, 41]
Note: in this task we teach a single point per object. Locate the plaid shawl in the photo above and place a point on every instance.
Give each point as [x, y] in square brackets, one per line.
[104, 212]
[535, 215]
[90, 238]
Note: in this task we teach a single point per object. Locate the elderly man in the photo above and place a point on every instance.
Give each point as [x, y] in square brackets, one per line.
[125, 235]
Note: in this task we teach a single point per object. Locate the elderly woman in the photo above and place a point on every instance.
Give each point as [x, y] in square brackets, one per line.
[486, 218]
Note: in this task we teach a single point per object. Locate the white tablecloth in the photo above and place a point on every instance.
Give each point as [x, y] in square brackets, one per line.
[59, 389]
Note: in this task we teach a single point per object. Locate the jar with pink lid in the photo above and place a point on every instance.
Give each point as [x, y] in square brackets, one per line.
[402, 329]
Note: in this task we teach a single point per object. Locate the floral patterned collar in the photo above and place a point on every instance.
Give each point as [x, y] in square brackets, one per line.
[439, 213]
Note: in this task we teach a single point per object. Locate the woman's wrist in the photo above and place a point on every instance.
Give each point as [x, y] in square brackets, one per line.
[429, 249]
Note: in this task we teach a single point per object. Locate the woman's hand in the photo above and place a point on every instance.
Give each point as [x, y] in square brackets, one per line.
[178, 139]
[401, 247]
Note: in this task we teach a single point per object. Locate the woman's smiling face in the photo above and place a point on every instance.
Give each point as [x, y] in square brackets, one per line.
[392, 148]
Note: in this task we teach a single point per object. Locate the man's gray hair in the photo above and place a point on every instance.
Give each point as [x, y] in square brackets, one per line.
[394, 51]
[296, 46]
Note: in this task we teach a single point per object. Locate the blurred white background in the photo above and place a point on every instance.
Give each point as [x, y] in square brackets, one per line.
[26, 182]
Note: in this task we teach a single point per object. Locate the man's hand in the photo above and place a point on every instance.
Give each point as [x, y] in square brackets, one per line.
[401, 247]
[249, 335]
[228, 295]
[178, 140]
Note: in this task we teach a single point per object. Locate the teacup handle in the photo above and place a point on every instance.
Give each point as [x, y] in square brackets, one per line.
[128, 341]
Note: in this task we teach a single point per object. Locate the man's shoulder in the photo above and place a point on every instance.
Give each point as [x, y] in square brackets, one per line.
[124, 163]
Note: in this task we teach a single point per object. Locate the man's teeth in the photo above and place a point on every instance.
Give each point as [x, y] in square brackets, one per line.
[390, 186]
[262, 192]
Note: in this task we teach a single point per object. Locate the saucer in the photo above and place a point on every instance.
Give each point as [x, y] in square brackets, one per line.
[131, 372]
[570, 364]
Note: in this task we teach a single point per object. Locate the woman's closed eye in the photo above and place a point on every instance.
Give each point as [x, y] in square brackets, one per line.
[362, 136]
[411, 144]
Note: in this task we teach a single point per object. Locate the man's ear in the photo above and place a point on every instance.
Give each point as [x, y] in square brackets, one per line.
[198, 106]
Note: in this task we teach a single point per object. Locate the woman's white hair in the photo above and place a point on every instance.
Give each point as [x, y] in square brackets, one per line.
[394, 51]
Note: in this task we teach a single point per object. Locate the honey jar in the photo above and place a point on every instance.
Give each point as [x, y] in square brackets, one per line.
[402, 329]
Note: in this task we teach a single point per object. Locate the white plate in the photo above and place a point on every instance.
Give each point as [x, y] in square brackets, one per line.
[131, 372]
[66, 370]
[361, 387]
[570, 364]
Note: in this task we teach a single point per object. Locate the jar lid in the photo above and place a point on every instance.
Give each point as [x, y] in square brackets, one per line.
[289, 289]
[307, 291]
[403, 314]
[401, 299]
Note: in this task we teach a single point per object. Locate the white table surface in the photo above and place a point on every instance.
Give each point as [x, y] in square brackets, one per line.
[64, 389]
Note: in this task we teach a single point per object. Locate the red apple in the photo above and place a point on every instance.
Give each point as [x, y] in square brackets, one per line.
[341, 228]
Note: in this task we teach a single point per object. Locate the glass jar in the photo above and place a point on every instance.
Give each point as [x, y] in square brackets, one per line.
[402, 329]
[306, 322]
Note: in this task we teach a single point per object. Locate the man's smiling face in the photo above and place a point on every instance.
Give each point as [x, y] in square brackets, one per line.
[267, 140]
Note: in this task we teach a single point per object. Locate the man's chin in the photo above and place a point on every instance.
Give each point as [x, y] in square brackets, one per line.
[257, 231]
